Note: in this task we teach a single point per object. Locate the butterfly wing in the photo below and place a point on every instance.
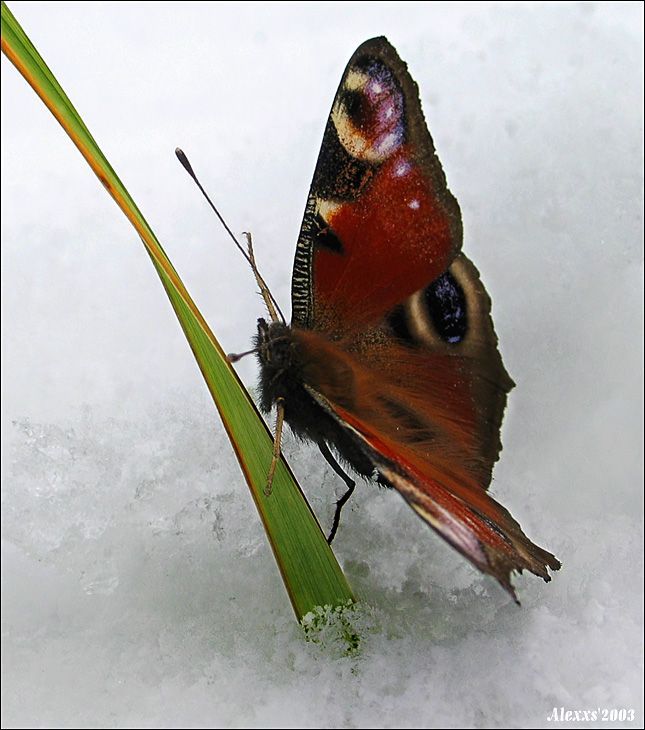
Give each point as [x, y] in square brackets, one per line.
[424, 401]
[378, 189]
[392, 322]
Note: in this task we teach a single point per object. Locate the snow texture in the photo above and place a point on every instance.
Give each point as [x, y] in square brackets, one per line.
[138, 588]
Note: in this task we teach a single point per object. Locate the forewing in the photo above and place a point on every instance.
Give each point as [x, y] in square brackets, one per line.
[380, 222]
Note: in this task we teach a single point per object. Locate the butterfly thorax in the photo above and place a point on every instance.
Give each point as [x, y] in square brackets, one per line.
[280, 367]
[284, 370]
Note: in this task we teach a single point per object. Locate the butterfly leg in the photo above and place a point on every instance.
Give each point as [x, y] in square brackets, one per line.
[324, 450]
[277, 441]
[264, 289]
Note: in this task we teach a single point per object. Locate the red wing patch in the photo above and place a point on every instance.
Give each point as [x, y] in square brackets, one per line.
[396, 211]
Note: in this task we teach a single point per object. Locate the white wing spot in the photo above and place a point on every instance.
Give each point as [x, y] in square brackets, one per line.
[388, 143]
[402, 168]
[414, 204]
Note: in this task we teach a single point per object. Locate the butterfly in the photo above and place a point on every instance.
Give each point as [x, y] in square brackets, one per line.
[390, 364]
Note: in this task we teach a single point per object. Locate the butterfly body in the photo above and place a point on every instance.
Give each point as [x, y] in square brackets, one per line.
[391, 358]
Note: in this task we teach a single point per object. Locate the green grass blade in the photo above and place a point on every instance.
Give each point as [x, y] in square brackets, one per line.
[309, 569]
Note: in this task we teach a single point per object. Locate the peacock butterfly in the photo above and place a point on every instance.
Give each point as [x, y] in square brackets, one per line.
[391, 358]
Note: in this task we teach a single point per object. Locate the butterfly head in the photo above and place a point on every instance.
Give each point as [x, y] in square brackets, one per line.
[276, 352]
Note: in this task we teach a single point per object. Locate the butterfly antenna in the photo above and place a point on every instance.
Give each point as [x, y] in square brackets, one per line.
[272, 306]
[235, 356]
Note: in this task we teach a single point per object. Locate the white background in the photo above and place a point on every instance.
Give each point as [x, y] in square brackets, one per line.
[138, 589]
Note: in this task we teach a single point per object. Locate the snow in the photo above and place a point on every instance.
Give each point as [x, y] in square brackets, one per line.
[138, 589]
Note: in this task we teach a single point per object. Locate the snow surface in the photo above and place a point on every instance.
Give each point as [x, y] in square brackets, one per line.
[138, 588]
